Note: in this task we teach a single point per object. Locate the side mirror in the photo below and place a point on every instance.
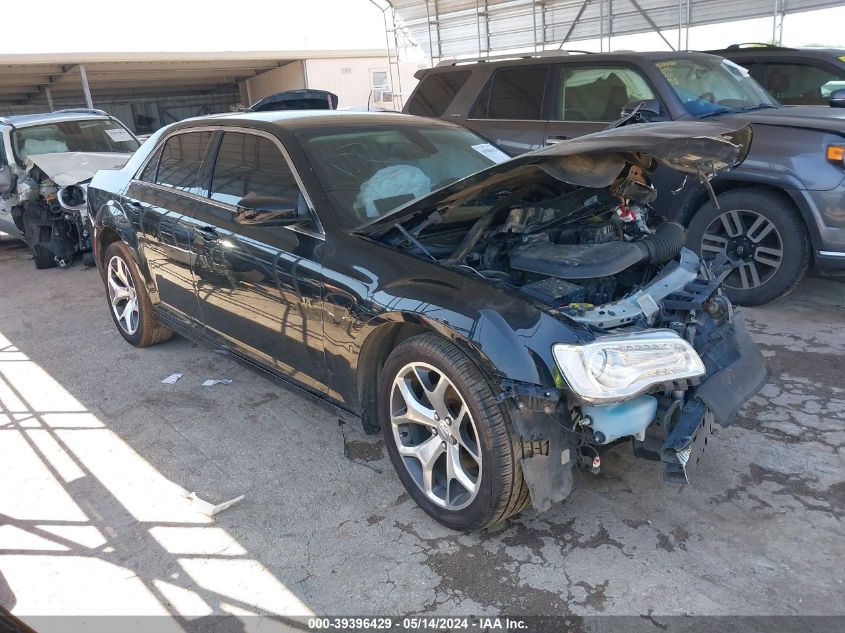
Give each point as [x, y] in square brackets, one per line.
[837, 98]
[267, 211]
[7, 180]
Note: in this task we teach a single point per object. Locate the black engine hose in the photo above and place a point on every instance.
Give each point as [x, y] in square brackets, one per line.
[664, 244]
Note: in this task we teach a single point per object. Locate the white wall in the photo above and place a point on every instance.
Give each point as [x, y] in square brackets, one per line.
[288, 77]
[350, 78]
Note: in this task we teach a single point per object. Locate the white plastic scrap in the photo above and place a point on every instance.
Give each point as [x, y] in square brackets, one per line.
[219, 381]
[209, 509]
[171, 379]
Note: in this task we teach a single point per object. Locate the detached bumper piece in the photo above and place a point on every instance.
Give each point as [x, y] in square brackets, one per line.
[685, 445]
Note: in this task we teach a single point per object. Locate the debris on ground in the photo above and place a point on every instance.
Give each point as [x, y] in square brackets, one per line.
[171, 379]
[218, 381]
[207, 508]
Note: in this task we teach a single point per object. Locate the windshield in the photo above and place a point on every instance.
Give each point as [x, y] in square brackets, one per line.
[93, 135]
[368, 172]
[713, 86]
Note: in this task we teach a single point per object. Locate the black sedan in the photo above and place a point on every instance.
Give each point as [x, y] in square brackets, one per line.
[502, 322]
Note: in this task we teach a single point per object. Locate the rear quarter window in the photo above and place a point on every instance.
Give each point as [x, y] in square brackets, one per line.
[436, 92]
[515, 93]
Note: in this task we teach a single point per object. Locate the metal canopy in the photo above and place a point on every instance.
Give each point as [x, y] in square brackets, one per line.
[86, 78]
[460, 28]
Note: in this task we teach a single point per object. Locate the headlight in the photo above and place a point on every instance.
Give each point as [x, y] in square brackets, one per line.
[72, 196]
[618, 367]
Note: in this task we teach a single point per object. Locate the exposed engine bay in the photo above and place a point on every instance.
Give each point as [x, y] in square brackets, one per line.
[571, 248]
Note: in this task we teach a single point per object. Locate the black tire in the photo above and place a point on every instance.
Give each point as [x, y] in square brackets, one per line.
[148, 330]
[766, 282]
[501, 489]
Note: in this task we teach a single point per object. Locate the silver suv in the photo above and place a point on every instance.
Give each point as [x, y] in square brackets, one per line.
[46, 162]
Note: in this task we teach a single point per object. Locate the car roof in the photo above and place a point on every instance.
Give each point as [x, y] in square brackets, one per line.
[303, 119]
[550, 56]
[26, 120]
[819, 51]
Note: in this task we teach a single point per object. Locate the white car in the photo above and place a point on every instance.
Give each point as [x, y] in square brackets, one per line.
[46, 162]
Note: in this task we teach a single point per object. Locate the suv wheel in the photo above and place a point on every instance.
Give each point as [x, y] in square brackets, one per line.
[762, 235]
[129, 301]
[450, 441]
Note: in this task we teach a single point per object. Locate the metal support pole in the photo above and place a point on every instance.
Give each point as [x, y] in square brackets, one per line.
[49, 93]
[680, 21]
[601, 26]
[85, 88]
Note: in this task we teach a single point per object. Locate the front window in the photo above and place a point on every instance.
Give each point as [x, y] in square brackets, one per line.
[367, 173]
[713, 86]
[803, 84]
[94, 135]
[599, 93]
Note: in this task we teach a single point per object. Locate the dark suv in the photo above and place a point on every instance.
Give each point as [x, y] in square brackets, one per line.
[777, 212]
[794, 76]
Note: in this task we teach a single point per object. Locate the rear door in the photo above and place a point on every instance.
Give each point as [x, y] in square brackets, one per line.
[587, 97]
[161, 200]
[510, 110]
[260, 287]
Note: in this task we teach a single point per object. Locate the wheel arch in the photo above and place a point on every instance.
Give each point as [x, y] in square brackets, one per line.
[792, 197]
[383, 338]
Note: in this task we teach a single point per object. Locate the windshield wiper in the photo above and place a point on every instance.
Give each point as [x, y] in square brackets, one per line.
[760, 106]
[718, 112]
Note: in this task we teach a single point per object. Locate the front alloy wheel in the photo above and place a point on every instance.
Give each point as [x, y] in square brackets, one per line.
[450, 440]
[129, 301]
[435, 435]
[122, 295]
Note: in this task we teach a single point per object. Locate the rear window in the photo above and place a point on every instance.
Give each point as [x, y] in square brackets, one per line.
[436, 92]
[513, 93]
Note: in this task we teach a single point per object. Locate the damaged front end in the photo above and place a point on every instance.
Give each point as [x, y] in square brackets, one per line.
[660, 353]
[50, 205]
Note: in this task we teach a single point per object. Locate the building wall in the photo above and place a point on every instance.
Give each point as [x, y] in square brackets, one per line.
[350, 78]
[353, 79]
[288, 77]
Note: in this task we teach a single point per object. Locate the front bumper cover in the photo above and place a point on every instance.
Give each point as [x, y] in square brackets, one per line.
[736, 370]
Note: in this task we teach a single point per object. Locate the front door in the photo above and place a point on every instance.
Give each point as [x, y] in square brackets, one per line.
[160, 202]
[259, 287]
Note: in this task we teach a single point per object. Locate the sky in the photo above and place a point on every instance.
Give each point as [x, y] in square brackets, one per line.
[247, 25]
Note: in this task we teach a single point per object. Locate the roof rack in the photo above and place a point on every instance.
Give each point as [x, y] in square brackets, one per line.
[498, 58]
[734, 47]
[83, 111]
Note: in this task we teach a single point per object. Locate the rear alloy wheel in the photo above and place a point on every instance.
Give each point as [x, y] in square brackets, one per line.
[129, 301]
[449, 439]
[762, 237]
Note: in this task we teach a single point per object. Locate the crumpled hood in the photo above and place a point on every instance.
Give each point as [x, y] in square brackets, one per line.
[822, 118]
[69, 168]
[596, 160]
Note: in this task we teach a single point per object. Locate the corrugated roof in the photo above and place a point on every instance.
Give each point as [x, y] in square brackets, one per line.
[455, 28]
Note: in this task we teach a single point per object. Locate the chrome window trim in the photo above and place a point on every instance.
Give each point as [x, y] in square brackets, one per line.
[320, 233]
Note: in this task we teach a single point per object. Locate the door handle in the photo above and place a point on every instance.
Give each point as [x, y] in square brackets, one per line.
[135, 206]
[207, 233]
[554, 140]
